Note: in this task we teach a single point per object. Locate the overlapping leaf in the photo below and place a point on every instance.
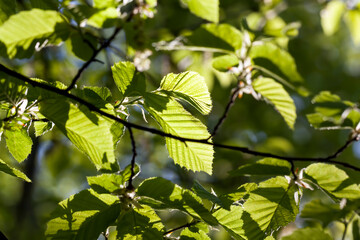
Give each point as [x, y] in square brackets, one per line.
[140, 224]
[266, 166]
[160, 193]
[277, 96]
[88, 131]
[24, 31]
[83, 216]
[174, 119]
[188, 86]
[4, 167]
[275, 59]
[333, 181]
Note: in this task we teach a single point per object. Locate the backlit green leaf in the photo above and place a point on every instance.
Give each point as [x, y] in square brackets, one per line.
[83, 216]
[160, 193]
[277, 96]
[333, 181]
[13, 171]
[193, 233]
[232, 221]
[266, 166]
[275, 59]
[352, 19]
[19, 143]
[27, 30]
[188, 86]
[174, 119]
[208, 10]
[270, 206]
[225, 62]
[140, 224]
[88, 131]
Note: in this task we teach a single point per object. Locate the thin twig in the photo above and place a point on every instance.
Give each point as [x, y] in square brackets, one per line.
[182, 139]
[181, 227]
[226, 112]
[130, 186]
[104, 45]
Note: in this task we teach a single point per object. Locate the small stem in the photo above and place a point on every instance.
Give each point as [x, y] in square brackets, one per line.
[130, 186]
[181, 227]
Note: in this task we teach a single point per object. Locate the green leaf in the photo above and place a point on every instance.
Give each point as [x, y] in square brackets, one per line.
[225, 62]
[208, 10]
[19, 143]
[264, 167]
[270, 206]
[127, 79]
[222, 36]
[160, 193]
[188, 86]
[45, 4]
[25, 31]
[104, 3]
[103, 18]
[324, 212]
[78, 45]
[241, 194]
[232, 221]
[83, 216]
[276, 60]
[331, 16]
[333, 113]
[140, 224]
[308, 233]
[88, 131]
[356, 229]
[193, 233]
[11, 90]
[7, 8]
[111, 183]
[333, 181]
[174, 119]
[278, 97]
[13, 171]
[42, 127]
[352, 19]
[203, 193]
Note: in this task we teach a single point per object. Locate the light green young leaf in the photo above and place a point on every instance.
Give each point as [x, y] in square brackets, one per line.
[208, 10]
[276, 60]
[308, 233]
[127, 79]
[225, 62]
[88, 131]
[222, 36]
[105, 3]
[352, 19]
[42, 127]
[27, 30]
[270, 206]
[324, 212]
[188, 86]
[140, 224]
[333, 181]
[19, 143]
[13, 171]
[331, 16]
[174, 119]
[160, 193]
[83, 216]
[232, 221]
[264, 167]
[7, 8]
[193, 233]
[277, 96]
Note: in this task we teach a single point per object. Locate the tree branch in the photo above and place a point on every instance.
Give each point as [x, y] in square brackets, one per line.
[127, 124]
[130, 186]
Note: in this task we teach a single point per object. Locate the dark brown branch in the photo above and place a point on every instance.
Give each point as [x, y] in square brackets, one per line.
[328, 159]
[104, 45]
[130, 186]
[181, 227]
[226, 112]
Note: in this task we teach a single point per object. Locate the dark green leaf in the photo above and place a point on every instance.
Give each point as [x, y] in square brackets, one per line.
[203, 193]
[165, 194]
[7, 8]
[266, 166]
[79, 45]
